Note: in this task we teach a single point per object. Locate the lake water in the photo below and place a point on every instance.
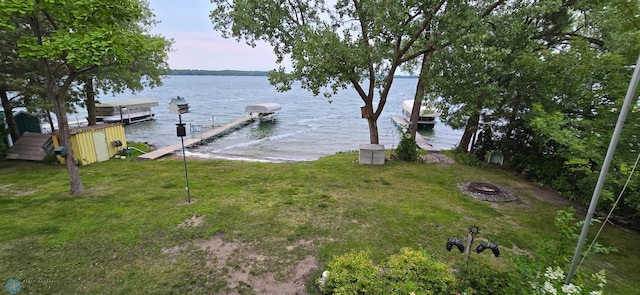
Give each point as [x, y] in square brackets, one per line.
[307, 127]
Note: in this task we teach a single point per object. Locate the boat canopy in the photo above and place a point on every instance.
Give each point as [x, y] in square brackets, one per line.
[268, 107]
[425, 111]
[130, 103]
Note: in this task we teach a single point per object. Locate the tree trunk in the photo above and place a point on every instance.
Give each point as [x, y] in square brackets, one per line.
[57, 96]
[417, 99]
[373, 131]
[90, 101]
[415, 111]
[64, 133]
[8, 111]
[53, 127]
[469, 131]
[372, 119]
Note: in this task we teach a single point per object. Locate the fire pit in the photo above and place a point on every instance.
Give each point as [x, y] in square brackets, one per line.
[487, 192]
[483, 188]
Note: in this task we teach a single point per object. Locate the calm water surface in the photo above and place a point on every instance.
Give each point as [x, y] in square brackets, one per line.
[307, 127]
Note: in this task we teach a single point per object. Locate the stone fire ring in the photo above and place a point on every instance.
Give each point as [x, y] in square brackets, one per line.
[487, 192]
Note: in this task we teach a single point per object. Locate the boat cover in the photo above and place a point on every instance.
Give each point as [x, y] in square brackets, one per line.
[424, 110]
[268, 107]
[131, 103]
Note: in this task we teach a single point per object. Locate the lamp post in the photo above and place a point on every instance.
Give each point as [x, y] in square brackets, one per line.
[180, 106]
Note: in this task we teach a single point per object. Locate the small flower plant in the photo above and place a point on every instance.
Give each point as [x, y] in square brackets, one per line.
[553, 283]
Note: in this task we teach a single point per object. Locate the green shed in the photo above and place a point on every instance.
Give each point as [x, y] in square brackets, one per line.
[27, 123]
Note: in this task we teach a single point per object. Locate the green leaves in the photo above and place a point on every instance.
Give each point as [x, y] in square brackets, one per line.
[83, 34]
[73, 37]
[408, 272]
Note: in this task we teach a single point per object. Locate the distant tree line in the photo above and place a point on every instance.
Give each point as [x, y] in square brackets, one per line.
[217, 73]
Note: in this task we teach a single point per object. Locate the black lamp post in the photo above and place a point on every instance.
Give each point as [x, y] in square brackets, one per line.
[180, 106]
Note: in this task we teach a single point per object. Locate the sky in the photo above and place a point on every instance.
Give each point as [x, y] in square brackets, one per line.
[197, 46]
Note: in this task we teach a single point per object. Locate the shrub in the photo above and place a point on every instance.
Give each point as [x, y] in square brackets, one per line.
[409, 272]
[543, 273]
[469, 159]
[407, 149]
[353, 273]
[414, 271]
[4, 145]
[480, 277]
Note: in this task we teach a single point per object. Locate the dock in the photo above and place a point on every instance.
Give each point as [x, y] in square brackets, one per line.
[420, 140]
[31, 146]
[204, 136]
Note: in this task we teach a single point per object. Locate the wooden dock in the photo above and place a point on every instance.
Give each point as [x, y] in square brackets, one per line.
[194, 141]
[420, 140]
[31, 146]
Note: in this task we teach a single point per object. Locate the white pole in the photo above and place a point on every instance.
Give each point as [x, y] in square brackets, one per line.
[605, 168]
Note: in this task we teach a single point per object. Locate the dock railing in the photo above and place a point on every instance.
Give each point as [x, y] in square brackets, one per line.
[196, 129]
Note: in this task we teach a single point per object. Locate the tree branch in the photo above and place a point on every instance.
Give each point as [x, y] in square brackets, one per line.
[489, 9]
[365, 39]
[414, 38]
[51, 20]
[591, 40]
[358, 88]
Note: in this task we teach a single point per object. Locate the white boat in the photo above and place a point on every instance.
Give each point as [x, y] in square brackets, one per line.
[428, 114]
[125, 111]
[267, 112]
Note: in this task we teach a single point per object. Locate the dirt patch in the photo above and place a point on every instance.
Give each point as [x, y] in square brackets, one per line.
[437, 158]
[194, 221]
[6, 189]
[548, 195]
[542, 193]
[246, 270]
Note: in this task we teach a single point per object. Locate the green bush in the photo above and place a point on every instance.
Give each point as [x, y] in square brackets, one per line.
[407, 149]
[414, 271]
[4, 148]
[353, 273]
[555, 253]
[480, 277]
[4, 145]
[409, 272]
[51, 159]
[469, 159]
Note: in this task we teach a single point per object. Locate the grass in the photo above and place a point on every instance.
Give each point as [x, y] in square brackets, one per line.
[113, 238]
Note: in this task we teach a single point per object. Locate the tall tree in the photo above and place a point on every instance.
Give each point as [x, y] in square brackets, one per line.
[454, 25]
[14, 75]
[357, 43]
[69, 38]
[145, 69]
[546, 79]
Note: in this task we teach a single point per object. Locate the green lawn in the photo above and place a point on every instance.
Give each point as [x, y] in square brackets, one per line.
[123, 235]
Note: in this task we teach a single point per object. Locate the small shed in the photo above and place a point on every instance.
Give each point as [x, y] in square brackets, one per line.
[97, 143]
[27, 122]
